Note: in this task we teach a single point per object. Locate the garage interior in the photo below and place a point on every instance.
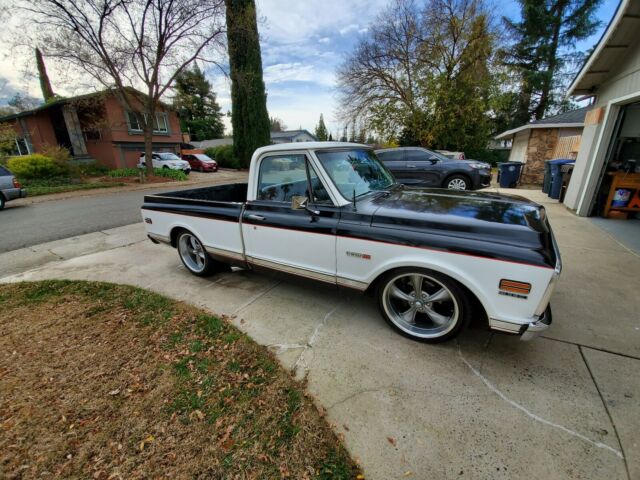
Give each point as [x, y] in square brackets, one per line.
[616, 204]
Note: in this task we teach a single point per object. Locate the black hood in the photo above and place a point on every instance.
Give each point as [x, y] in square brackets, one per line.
[488, 217]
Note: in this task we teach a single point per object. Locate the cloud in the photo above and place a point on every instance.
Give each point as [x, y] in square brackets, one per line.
[349, 28]
[324, 40]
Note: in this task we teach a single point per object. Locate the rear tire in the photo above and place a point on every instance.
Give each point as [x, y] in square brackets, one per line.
[1, 202]
[423, 305]
[457, 182]
[194, 256]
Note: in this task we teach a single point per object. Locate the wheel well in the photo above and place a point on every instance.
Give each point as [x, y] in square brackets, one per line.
[479, 317]
[458, 174]
[174, 235]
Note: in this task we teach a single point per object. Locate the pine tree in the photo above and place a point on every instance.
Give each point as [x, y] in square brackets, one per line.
[344, 138]
[197, 107]
[330, 137]
[45, 84]
[544, 38]
[352, 133]
[249, 116]
[321, 130]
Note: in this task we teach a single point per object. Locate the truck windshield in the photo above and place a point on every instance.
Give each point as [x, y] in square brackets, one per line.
[355, 171]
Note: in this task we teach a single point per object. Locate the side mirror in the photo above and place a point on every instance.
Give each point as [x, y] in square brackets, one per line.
[298, 202]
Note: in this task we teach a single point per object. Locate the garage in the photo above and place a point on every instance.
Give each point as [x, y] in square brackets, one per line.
[605, 183]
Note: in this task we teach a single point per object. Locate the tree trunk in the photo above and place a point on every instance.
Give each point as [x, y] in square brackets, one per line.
[552, 63]
[148, 147]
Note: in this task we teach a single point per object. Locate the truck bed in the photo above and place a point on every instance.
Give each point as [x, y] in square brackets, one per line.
[228, 193]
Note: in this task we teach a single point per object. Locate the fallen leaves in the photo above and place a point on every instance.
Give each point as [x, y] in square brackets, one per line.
[145, 442]
[392, 441]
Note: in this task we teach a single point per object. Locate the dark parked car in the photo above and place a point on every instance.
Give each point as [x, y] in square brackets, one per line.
[10, 188]
[201, 162]
[426, 168]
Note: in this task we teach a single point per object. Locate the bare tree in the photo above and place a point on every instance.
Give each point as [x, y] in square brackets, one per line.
[416, 57]
[130, 45]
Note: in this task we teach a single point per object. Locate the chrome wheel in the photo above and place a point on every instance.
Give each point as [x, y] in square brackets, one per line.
[457, 183]
[192, 253]
[420, 305]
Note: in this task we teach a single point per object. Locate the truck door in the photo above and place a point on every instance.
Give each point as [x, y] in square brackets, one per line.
[280, 237]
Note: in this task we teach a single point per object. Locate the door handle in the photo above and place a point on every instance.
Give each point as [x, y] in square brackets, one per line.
[255, 217]
[412, 166]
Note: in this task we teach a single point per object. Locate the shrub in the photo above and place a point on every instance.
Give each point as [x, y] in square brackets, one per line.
[168, 173]
[223, 154]
[36, 166]
[124, 172]
[93, 169]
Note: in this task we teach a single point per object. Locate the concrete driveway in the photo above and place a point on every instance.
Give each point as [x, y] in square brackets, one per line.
[485, 406]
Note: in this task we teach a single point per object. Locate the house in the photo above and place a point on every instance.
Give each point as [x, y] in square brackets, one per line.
[610, 145]
[216, 142]
[535, 143]
[291, 136]
[94, 126]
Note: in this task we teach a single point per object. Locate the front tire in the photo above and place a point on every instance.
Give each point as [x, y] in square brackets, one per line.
[457, 182]
[423, 305]
[194, 256]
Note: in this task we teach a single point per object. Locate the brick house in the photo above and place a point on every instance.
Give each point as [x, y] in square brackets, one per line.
[94, 126]
[535, 143]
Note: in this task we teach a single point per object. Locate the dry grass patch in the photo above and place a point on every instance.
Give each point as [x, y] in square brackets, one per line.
[107, 381]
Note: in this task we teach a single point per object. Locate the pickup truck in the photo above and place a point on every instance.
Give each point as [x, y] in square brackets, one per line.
[332, 212]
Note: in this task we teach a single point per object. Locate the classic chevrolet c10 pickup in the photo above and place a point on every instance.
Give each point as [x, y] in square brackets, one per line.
[332, 212]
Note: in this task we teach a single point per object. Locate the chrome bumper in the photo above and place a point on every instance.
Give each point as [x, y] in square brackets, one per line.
[538, 327]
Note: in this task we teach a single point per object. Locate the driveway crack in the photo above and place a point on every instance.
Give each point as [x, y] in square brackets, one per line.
[606, 408]
[532, 415]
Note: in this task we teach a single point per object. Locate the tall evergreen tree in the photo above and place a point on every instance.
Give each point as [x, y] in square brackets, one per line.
[543, 46]
[249, 116]
[196, 104]
[45, 84]
[321, 130]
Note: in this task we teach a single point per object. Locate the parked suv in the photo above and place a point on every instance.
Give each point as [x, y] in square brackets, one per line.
[10, 188]
[425, 168]
[166, 160]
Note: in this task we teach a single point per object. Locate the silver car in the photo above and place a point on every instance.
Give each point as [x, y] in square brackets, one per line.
[9, 187]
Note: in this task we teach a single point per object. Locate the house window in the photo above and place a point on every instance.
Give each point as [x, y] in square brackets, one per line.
[132, 121]
[160, 124]
[22, 147]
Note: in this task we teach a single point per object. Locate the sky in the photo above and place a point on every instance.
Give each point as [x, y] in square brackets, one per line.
[302, 44]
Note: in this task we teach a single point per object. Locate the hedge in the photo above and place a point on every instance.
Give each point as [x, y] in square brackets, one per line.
[160, 172]
[223, 154]
[36, 166]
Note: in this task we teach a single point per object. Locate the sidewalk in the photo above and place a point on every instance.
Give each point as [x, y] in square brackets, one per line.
[484, 406]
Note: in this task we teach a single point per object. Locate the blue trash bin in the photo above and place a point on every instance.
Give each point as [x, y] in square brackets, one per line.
[556, 176]
[546, 183]
[509, 174]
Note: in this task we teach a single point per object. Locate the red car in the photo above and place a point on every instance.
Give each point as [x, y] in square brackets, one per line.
[201, 162]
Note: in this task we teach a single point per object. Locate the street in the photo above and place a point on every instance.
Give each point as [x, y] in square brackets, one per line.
[25, 224]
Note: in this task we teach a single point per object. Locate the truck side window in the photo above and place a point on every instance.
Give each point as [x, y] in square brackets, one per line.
[282, 177]
[320, 194]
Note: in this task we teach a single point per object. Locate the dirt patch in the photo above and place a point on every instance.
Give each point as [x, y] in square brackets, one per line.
[106, 381]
